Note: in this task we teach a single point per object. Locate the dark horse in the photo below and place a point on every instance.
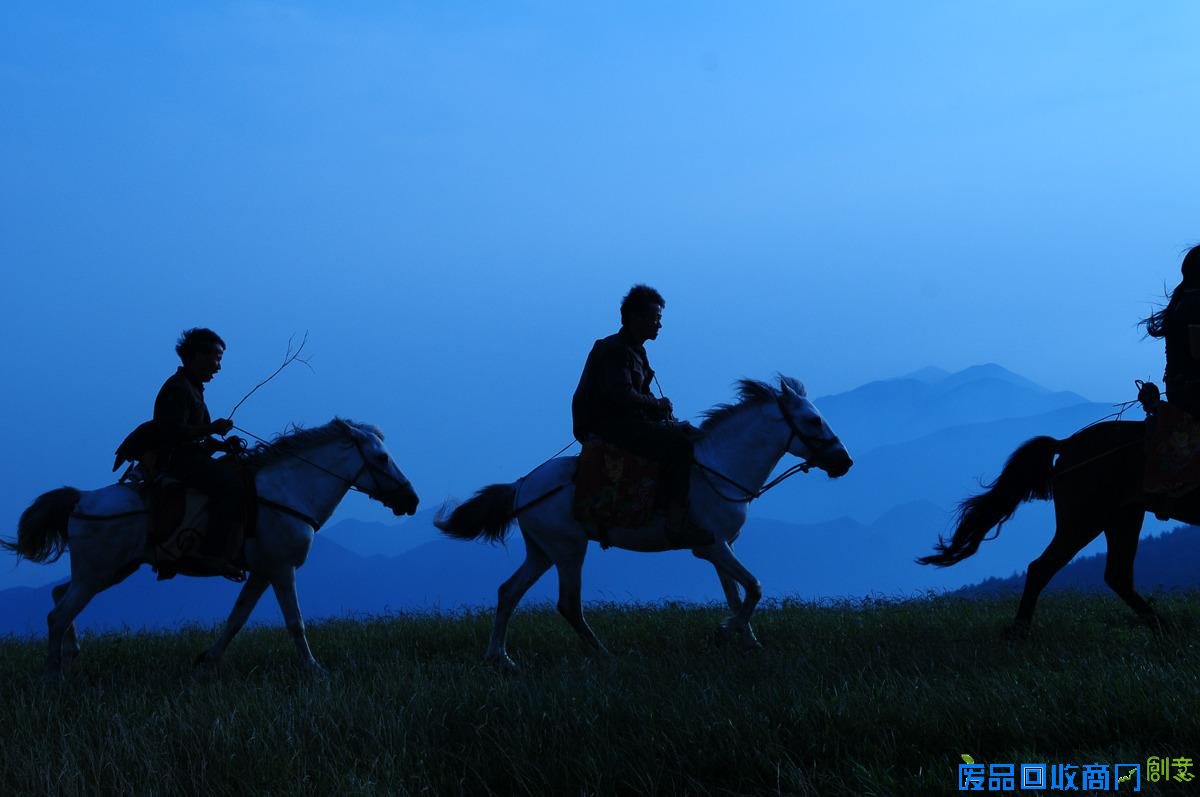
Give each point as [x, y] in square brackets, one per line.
[1096, 485]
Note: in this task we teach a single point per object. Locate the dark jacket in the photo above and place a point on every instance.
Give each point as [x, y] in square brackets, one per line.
[180, 414]
[1182, 367]
[614, 394]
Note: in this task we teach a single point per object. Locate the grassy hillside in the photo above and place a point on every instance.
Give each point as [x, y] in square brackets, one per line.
[876, 698]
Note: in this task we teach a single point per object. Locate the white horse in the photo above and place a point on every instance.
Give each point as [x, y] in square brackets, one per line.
[300, 478]
[742, 442]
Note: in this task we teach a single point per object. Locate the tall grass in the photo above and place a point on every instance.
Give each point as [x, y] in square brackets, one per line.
[871, 698]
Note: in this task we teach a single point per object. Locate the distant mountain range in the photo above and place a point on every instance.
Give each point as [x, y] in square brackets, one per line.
[929, 400]
[921, 444]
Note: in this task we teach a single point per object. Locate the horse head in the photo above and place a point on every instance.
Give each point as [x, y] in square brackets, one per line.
[378, 476]
[811, 437]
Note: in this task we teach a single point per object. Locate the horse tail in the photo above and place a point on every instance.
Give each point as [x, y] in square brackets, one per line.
[488, 514]
[1028, 474]
[42, 530]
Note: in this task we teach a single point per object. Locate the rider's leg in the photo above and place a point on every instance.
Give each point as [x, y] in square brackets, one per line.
[223, 485]
[670, 445]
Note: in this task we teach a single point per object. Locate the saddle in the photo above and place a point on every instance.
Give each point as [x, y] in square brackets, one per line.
[178, 528]
[614, 488]
[1172, 451]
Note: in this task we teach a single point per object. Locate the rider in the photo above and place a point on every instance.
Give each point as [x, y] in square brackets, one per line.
[1179, 323]
[186, 446]
[614, 403]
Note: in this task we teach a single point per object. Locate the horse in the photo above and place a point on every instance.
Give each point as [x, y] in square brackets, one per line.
[739, 447]
[299, 477]
[1096, 486]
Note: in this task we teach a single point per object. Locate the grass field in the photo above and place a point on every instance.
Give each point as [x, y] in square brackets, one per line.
[871, 698]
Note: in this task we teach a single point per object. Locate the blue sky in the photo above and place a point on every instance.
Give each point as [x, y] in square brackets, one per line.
[451, 201]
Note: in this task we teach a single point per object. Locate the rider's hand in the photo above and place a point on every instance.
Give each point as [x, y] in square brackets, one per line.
[221, 426]
[664, 404]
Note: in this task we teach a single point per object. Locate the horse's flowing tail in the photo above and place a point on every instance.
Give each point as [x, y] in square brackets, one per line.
[488, 514]
[1028, 474]
[42, 530]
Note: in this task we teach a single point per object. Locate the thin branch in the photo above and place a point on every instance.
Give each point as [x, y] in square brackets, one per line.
[288, 359]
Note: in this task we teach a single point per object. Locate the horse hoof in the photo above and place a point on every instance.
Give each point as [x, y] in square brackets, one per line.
[503, 663]
[315, 671]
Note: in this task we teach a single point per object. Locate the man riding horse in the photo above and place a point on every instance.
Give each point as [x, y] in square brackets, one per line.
[1173, 447]
[1179, 324]
[614, 403]
[180, 440]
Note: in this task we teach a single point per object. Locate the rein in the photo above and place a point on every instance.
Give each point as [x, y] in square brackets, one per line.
[351, 483]
[803, 467]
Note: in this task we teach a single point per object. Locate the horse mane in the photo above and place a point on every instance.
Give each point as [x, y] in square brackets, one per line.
[750, 392]
[295, 439]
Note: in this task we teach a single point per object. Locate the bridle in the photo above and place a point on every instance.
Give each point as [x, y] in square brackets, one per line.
[374, 470]
[794, 433]
[351, 483]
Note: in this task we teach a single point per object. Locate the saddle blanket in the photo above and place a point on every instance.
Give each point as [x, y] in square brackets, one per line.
[614, 488]
[1172, 452]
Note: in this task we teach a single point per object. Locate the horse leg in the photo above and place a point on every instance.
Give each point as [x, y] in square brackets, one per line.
[62, 617]
[1069, 539]
[285, 593]
[730, 567]
[70, 641]
[1122, 537]
[730, 626]
[570, 602]
[65, 614]
[535, 565]
[252, 590]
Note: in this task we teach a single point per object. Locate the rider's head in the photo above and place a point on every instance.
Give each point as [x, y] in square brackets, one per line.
[200, 350]
[641, 312]
[1191, 266]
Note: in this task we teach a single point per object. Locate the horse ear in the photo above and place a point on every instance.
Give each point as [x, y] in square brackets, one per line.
[784, 387]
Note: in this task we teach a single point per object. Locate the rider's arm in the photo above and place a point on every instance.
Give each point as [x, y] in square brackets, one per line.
[619, 380]
[172, 410]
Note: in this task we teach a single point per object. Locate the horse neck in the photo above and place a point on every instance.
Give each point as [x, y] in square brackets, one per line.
[314, 491]
[745, 446]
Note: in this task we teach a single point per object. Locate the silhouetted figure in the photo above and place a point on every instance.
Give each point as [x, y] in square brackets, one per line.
[186, 446]
[1179, 324]
[614, 402]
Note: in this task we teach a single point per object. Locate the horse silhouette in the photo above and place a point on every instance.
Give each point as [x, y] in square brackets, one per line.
[300, 478]
[741, 444]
